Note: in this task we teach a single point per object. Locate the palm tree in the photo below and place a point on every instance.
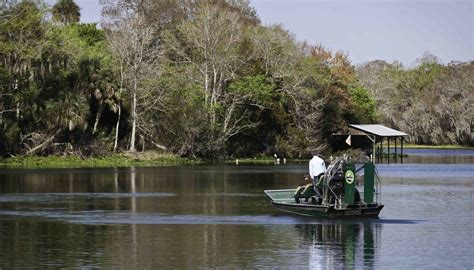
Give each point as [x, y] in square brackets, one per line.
[66, 12]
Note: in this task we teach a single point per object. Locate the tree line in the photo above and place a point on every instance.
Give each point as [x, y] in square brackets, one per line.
[431, 102]
[202, 78]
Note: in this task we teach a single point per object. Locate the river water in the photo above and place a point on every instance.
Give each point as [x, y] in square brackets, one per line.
[218, 217]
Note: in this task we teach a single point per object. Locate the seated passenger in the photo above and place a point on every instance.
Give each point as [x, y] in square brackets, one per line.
[304, 190]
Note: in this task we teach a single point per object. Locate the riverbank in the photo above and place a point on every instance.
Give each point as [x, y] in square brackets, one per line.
[453, 147]
[153, 158]
[116, 160]
[263, 161]
[126, 160]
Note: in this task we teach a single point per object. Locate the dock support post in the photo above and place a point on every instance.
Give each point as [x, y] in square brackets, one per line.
[388, 150]
[395, 149]
[401, 150]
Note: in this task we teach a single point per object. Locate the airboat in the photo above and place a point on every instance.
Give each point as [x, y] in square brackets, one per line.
[346, 189]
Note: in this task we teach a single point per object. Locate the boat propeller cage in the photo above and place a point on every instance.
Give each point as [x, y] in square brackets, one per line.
[338, 185]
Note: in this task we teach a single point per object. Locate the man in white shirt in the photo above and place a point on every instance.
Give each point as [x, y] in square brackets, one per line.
[317, 167]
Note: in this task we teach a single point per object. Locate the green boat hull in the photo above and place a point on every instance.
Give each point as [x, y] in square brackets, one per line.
[361, 211]
[283, 200]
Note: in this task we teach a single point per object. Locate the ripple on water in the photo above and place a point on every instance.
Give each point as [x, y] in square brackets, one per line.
[28, 197]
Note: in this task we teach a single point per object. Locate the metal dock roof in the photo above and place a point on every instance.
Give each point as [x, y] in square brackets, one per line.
[379, 130]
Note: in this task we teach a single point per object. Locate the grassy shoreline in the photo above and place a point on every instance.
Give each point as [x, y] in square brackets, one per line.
[116, 160]
[124, 160]
[262, 160]
[150, 158]
[453, 147]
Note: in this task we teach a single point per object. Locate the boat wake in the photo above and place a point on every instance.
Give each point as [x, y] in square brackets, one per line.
[103, 217]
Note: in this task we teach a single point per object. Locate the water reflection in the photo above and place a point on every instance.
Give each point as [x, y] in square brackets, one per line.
[218, 217]
[337, 245]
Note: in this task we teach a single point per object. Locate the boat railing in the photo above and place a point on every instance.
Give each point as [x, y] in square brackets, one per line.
[378, 187]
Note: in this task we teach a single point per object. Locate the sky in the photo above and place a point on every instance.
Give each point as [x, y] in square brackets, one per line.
[390, 30]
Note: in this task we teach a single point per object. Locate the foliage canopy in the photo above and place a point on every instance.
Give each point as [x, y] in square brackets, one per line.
[203, 79]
